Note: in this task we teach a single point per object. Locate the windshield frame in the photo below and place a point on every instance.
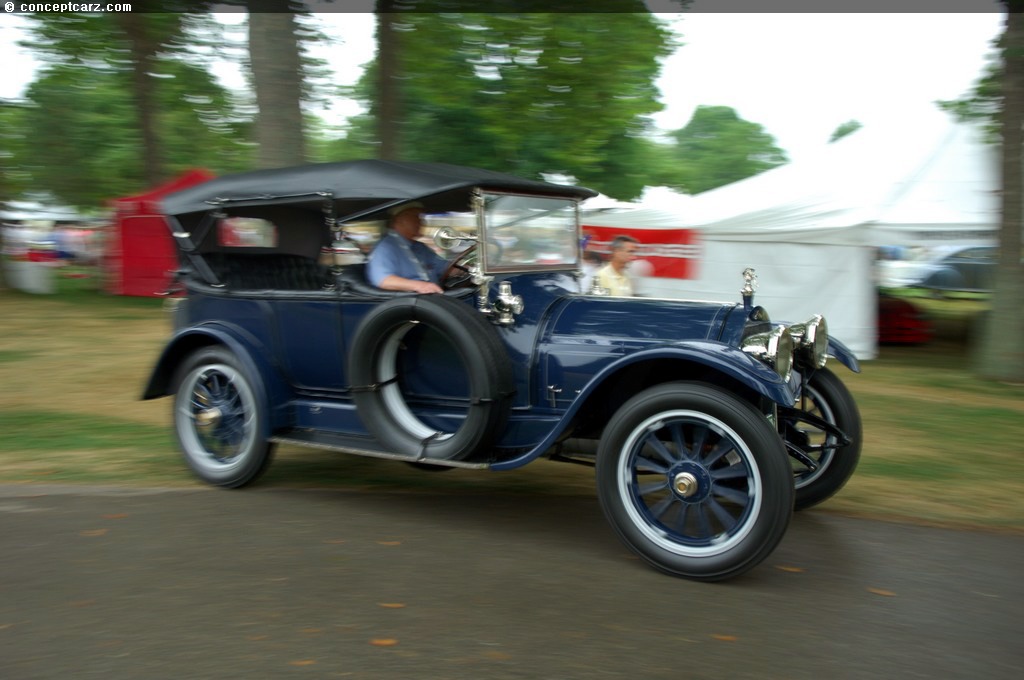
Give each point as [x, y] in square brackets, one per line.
[488, 264]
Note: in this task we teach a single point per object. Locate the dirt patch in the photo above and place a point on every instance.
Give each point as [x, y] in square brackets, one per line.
[77, 362]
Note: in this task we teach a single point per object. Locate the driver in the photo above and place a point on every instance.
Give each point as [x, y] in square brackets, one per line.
[400, 261]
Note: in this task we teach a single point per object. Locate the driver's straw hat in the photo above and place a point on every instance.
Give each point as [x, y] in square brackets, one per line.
[402, 207]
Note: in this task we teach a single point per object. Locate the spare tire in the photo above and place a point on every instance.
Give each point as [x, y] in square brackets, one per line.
[378, 389]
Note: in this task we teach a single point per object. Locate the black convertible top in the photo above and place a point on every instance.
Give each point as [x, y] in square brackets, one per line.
[355, 187]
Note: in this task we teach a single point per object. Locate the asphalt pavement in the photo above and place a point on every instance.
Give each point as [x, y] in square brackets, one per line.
[280, 583]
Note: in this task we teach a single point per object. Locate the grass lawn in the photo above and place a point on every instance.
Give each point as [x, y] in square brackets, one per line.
[940, 446]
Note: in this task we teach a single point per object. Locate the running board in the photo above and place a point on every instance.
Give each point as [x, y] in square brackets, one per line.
[342, 444]
[576, 451]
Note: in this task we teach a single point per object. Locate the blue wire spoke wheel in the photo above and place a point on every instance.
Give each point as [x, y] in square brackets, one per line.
[695, 481]
[218, 419]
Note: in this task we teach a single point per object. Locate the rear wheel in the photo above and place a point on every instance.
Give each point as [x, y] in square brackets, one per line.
[695, 481]
[218, 419]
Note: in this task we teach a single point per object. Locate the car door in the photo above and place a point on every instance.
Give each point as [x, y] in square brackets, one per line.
[310, 340]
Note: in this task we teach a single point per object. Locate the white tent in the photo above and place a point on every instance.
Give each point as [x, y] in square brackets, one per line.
[810, 228]
[952, 198]
[917, 181]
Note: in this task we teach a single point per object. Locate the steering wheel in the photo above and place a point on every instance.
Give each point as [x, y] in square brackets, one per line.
[457, 272]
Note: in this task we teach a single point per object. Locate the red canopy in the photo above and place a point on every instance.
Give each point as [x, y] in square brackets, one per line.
[140, 252]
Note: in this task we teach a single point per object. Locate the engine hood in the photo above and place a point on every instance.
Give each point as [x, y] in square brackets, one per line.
[603, 319]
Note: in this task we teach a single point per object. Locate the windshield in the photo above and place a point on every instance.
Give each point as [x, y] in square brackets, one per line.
[529, 233]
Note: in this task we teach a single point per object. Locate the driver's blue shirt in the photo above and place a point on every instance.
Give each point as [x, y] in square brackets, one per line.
[390, 257]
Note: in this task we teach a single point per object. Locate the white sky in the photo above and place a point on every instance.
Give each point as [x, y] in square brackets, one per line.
[798, 75]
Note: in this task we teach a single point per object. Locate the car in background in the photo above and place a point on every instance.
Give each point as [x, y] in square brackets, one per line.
[971, 270]
[901, 322]
[960, 269]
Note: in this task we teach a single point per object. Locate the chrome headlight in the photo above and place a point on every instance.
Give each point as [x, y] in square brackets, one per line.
[775, 348]
[811, 340]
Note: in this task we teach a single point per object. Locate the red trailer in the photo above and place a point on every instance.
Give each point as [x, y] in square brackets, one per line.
[140, 254]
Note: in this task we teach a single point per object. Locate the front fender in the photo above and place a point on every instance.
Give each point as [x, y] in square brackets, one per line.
[717, 356]
[843, 355]
[720, 357]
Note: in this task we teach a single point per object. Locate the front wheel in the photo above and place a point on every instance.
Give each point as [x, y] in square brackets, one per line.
[695, 481]
[218, 419]
[823, 434]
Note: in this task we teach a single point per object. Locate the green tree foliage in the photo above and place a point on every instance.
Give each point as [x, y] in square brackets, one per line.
[84, 135]
[173, 117]
[14, 180]
[128, 43]
[355, 142]
[717, 147]
[525, 93]
[846, 128]
[985, 100]
[80, 127]
[82, 117]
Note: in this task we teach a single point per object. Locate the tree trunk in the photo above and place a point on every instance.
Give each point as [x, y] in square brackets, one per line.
[1001, 356]
[143, 48]
[388, 94]
[277, 79]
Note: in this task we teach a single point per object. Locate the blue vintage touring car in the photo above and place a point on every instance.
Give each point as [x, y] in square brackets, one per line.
[707, 422]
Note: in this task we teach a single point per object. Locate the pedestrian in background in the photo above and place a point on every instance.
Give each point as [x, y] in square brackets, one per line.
[614, 277]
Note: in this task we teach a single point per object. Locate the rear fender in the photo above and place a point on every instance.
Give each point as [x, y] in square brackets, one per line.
[269, 385]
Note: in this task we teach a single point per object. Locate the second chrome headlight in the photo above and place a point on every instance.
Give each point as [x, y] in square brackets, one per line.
[811, 340]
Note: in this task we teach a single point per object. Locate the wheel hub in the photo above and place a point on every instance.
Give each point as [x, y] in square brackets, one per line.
[689, 482]
[685, 484]
[208, 417]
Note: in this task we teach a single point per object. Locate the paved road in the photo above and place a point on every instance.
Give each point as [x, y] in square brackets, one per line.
[269, 583]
